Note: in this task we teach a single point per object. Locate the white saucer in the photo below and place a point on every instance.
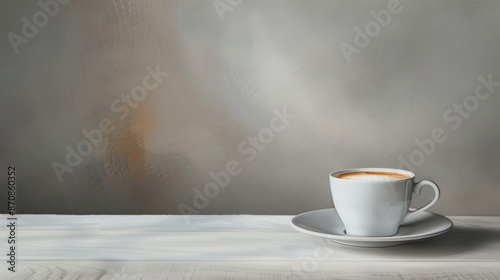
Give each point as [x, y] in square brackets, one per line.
[326, 223]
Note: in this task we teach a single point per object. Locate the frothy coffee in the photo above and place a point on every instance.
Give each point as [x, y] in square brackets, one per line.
[372, 176]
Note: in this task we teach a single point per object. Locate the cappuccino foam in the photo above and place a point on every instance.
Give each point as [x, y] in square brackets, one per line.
[372, 176]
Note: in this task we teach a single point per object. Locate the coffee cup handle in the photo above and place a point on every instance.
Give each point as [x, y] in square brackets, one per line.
[417, 190]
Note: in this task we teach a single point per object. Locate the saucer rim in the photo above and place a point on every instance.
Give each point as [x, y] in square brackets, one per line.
[393, 238]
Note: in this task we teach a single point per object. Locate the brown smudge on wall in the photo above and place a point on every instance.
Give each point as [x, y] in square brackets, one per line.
[129, 139]
[127, 143]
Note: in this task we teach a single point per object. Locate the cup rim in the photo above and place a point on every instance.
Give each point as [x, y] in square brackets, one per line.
[374, 169]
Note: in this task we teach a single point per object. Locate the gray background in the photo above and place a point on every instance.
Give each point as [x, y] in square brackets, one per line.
[226, 77]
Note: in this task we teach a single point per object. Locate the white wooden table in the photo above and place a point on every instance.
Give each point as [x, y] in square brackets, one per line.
[235, 247]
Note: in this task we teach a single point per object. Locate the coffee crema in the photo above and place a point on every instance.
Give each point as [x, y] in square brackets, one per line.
[372, 176]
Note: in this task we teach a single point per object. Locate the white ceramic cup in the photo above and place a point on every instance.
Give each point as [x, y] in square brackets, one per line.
[376, 208]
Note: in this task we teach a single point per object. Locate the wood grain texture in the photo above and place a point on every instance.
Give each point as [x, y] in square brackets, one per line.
[236, 247]
[112, 270]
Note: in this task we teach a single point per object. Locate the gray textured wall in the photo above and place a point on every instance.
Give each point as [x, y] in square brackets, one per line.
[232, 65]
